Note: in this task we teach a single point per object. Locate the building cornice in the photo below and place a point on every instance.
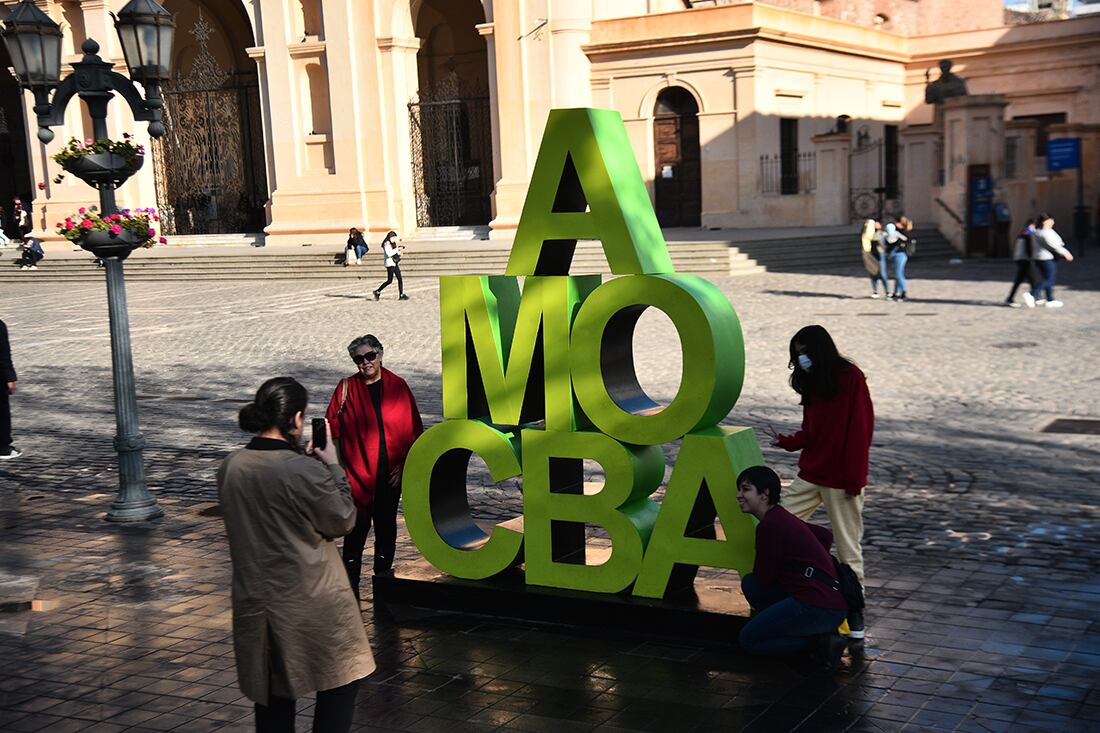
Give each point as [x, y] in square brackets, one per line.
[391, 42]
[306, 48]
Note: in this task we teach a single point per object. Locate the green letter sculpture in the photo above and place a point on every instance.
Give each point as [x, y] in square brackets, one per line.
[562, 351]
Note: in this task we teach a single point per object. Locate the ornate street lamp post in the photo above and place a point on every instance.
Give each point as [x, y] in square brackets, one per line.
[145, 30]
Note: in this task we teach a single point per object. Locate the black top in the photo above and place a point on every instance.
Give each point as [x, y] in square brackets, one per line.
[7, 370]
[259, 443]
[383, 474]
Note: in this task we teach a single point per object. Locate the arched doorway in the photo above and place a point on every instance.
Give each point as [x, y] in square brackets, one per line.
[677, 181]
[16, 180]
[450, 124]
[209, 166]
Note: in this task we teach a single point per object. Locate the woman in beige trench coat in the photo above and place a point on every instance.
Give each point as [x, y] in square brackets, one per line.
[296, 624]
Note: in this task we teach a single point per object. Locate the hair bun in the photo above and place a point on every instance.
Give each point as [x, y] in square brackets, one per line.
[252, 418]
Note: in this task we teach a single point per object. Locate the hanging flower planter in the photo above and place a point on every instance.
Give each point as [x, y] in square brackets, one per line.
[100, 162]
[112, 235]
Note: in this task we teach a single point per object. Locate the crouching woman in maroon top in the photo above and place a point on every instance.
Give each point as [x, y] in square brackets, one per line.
[837, 422]
[374, 420]
[791, 585]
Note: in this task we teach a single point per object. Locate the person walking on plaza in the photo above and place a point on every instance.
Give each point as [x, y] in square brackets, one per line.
[838, 420]
[793, 586]
[356, 248]
[874, 257]
[1023, 254]
[296, 626]
[893, 242]
[22, 218]
[30, 253]
[391, 256]
[374, 419]
[1050, 244]
[7, 389]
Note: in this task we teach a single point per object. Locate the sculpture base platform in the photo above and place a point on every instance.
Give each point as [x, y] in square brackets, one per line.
[715, 611]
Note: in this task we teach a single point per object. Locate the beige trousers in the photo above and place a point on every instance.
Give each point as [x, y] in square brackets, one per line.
[845, 513]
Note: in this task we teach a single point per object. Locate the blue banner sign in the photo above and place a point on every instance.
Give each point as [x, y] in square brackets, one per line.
[981, 201]
[1064, 153]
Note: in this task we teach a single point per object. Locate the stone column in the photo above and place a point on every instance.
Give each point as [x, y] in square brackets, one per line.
[399, 84]
[831, 192]
[516, 128]
[973, 129]
[920, 167]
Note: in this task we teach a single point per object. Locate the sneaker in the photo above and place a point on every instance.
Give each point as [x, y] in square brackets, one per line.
[358, 261]
[855, 625]
[33, 267]
[24, 267]
[405, 297]
[829, 649]
[1029, 299]
[1013, 304]
[1041, 301]
[377, 295]
[874, 294]
[12, 453]
[1054, 304]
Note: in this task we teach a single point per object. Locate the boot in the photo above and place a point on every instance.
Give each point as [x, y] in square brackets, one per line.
[354, 568]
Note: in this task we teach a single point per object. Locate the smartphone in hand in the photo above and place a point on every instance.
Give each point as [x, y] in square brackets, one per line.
[320, 433]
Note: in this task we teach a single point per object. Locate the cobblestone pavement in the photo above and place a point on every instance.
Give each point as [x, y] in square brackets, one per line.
[982, 541]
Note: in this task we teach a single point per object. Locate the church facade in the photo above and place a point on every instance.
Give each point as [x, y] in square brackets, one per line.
[294, 120]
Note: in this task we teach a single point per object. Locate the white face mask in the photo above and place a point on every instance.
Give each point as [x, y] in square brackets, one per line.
[804, 362]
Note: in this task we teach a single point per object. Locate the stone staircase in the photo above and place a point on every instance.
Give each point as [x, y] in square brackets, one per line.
[432, 258]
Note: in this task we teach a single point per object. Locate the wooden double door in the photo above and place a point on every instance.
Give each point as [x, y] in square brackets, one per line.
[677, 180]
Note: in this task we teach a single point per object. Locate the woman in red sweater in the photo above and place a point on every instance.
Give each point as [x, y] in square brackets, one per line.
[837, 422]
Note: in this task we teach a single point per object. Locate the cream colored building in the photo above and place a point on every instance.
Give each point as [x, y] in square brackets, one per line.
[302, 118]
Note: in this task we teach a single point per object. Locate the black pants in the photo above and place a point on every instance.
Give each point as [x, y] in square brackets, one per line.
[383, 512]
[390, 272]
[5, 419]
[29, 258]
[333, 713]
[1025, 271]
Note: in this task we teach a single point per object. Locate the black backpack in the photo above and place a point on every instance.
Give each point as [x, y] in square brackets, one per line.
[847, 584]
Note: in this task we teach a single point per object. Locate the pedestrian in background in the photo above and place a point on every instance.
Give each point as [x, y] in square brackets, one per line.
[793, 584]
[7, 389]
[30, 253]
[893, 243]
[874, 257]
[1050, 244]
[356, 248]
[22, 218]
[1023, 254]
[838, 420]
[391, 257]
[373, 419]
[296, 626]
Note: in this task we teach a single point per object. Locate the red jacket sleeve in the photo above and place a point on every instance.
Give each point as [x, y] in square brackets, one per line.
[796, 441]
[861, 425]
[767, 564]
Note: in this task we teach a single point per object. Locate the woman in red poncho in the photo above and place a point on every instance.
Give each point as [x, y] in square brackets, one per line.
[374, 420]
[837, 422]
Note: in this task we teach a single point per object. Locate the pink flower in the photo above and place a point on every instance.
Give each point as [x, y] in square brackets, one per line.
[82, 210]
[156, 218]
[87, 224]
[152, 232]
[88, 141]
[68, 223]
[162, 240]
[116, 229]
[41, 186]
[115, 217]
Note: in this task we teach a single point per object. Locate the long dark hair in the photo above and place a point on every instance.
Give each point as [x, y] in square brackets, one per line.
[276, 403]
[389, 235]
[822, 382]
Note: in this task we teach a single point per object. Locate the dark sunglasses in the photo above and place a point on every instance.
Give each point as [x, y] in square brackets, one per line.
[369, 356]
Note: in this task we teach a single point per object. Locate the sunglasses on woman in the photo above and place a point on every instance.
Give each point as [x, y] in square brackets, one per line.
[369, 356]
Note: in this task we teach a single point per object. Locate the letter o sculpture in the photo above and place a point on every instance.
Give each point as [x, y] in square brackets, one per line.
[601, 357]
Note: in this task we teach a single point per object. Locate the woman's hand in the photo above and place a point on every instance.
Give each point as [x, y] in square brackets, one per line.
[774, 435]
[326, 455]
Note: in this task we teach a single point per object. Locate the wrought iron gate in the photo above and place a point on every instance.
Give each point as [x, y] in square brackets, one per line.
[209, 167]
[452, 156]
[873, 190]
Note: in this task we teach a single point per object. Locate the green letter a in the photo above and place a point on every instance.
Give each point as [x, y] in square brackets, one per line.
[586, 160]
